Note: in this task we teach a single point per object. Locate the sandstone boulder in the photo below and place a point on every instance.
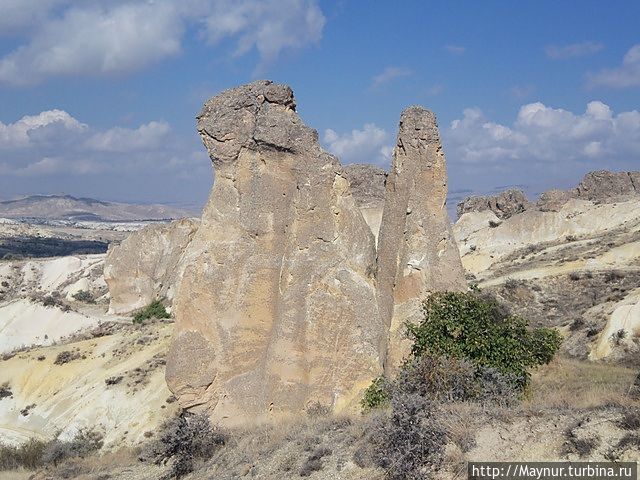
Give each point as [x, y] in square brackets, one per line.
[504, 205]
[277, 306]
[417, 253]
[147, 265]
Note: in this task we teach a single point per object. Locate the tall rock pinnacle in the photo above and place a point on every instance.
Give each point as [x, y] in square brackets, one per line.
[277, 307]
[417, 253]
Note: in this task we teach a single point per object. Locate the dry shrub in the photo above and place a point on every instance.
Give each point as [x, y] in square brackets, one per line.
[183, 442]
[409, 442]
[36, 453]
[630, 420]
[574, 443]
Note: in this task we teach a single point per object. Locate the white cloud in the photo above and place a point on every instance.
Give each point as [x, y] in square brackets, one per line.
[627, 75]
[23, 132]
[573, 50]
[369, 145]
[455, 49]
[544, 135]
[54, 142]
[268, 25]
[109, 37]
[389, 74]
[96, 41]
[119, 139]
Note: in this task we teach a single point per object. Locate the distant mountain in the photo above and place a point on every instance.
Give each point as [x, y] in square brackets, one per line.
[66, 207]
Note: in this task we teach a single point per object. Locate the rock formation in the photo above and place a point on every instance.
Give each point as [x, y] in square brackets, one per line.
[367, 187]
[277, 305]
[417, 253]
[603, 186]
[600, 186]
[553, 200]
[504, 205]
[147, 265]
[367, 184]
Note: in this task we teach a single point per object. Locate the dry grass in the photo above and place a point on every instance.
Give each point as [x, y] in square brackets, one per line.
[574, 384]
[93, 466]
[290, 448]
[15, 475]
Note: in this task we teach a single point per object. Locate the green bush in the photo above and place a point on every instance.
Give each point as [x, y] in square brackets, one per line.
[477, 328]
[154, 310]
[376, 395]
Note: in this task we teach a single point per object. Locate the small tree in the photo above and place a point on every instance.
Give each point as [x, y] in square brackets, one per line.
[154, 310]
[477, 328]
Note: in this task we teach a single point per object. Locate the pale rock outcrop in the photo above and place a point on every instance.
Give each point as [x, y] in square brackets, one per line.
[417, 253]
[603, 186]
[504, 205]
[622, 328]
[482, 246]
[553, 200]
[147, 265]
[367, 187]
[277, 305]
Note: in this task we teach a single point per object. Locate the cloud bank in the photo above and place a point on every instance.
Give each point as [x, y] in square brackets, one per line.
[102, 37]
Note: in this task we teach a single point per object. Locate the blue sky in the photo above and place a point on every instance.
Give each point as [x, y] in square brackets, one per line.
[98, 98]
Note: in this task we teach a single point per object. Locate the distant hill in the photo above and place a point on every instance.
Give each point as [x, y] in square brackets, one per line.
[66, 207]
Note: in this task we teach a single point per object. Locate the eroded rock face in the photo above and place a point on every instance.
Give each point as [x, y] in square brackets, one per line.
[367, 184]
[367, 187]
[603, 186]
[417, 253]
[277, 306]
[147, 265]
[553, 200]
[504, 205]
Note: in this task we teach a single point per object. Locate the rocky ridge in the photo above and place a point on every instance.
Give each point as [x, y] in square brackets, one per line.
[600, 186]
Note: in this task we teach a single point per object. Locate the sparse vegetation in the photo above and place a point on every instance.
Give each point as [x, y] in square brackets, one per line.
[317, 409]
[376, 395]
[5, 391]
[36, 453]
[66, 357]
[313, 463]
[84, 296]
[467, 348]
[183, 442]
[154, 310]
[494, 224]
[630, 420]
[477, 328]
[616, 337]
[113, 380]
[576, 444]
